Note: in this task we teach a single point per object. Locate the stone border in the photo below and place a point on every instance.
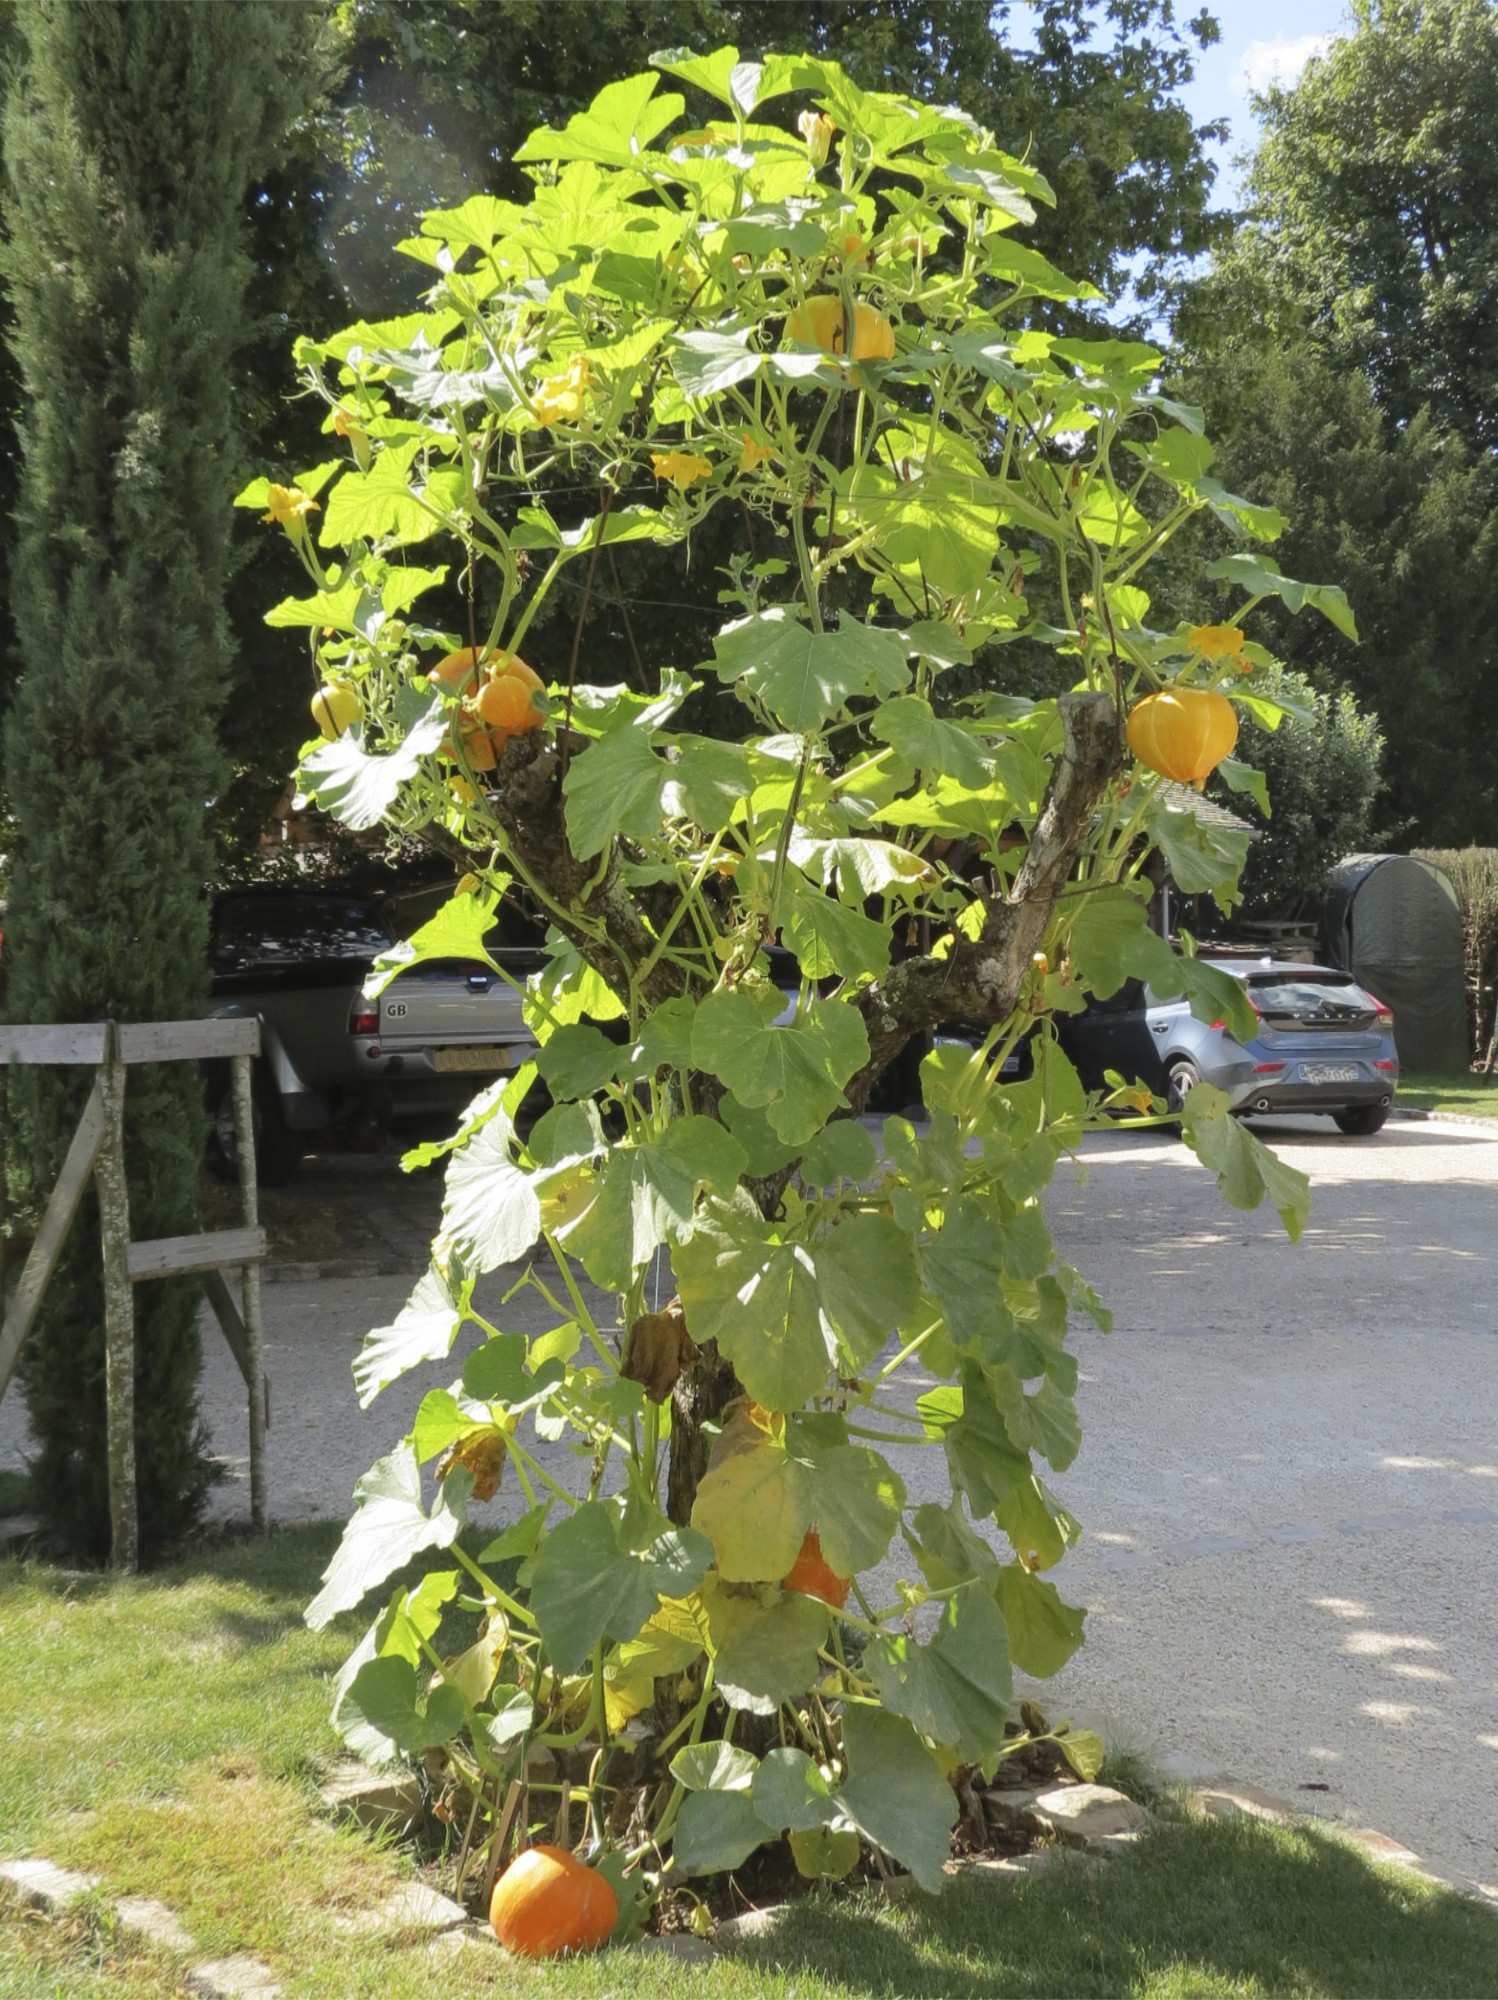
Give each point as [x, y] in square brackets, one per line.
[1466, 1119]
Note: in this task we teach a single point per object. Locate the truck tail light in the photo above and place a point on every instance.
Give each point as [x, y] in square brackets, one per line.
[364, 1018]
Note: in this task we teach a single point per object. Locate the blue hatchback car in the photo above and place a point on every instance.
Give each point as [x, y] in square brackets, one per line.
[1324, 1044]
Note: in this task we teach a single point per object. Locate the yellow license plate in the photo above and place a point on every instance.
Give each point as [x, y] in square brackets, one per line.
[460, 1059]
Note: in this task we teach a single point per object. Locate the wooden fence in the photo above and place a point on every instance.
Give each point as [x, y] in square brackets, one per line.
[98, 1148]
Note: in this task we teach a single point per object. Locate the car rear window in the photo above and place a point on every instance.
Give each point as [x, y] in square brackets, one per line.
[1324, 997]
[266, 931]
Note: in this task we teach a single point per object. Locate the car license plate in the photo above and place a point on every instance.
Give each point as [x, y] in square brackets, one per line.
[1330, 1073]
[481, 1058]
[1010, 1065]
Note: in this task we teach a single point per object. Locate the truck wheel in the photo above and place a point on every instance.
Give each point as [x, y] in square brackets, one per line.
[278, 1150]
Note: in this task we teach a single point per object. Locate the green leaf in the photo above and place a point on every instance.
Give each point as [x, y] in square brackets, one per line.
[491, 1209]
[1246, 1170]
[1265, 524]
[827, 937]
[843, 1150]
[984, 1461]
[867, 1282]
[459, 930]
[797, 1073]
[1084, 1750]
[948, 1550]
[766, 1151]
[520, 1539]
[803, 677]
[614, 130]
[715, 1831]
[1258, 576]
[577, 1060]
[423, 1330]
[587, 1584]
[384, 1696]
[387, 1528]
[358, 787]
[921, 738]
[1241, 777]
[825, 1854]
[706, 363]
[956, 1688]
[1202, 858]
[757, 1298]
[648, 1196]
[1044, 1632]
[765, 1643]
[613, 787]
[714, 1767]
[379, 505]
[666, 1038]
[1037, 1525]
[495, 1371]
[790, 1793]
[705, 781]
[895, 1795]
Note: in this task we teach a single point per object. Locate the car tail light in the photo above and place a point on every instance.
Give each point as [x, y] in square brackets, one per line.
[1219, 1025]
[364, 1018]
[1385, 1014]
[1385, 1066]
[1266, 1069]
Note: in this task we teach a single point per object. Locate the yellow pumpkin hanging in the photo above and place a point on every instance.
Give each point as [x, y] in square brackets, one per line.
[1183, 733]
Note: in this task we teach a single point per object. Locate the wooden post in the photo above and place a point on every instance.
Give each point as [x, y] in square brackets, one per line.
[244, 1148]
[61, 1208]
[119, 1309]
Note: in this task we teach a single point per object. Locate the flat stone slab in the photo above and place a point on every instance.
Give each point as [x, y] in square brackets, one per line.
[1230, 1800]
[1092, 1816]
[378, 1800]
[414, 1906]
[1380, 1847]
[680, 1945]
[237, 1978]
[155, 1923]
[1011, 1806]
[752, 1924]
[44, 1884]
[18, 1528]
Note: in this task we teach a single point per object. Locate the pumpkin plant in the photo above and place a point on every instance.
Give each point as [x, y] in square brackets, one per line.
[730, 1622]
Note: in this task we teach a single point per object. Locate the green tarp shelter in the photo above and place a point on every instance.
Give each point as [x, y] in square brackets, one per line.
[1395, 924]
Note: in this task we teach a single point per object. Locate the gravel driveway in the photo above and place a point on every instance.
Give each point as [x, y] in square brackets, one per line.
[1288, 1485]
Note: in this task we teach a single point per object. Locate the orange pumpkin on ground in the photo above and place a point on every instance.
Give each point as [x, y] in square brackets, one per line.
[819, 323]
[1183, 733]
[505, 702]
[811, 1574]
[547, 1902]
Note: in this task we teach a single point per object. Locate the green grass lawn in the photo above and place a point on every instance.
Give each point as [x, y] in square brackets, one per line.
[1463, 1091]
[167, 1733]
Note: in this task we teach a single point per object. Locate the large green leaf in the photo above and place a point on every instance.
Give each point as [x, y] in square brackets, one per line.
[789, 1792]
[714, 1767]
[1246, 1170]
[895, 1795]
[612, 787]
[1044, 1631]
[615, 129]
[765, 1643]
[1204, 859]
[920, 737]
[589, 1584]
[460, 929]
[385, 1696]
[648, 1196]
[1110, 941]
[358, 787]
[803, 677]
[757, 1297]
[761, 1493]
[423, 1330]
[867, 1283]
[948, 1549]
[491, 1210]
[389, 1526]
[984, 1461]
[708, 362]
[828, 938]
[955, 1688]
[715, 1831]
[1258, 575]
[796, 1073]
[1037, 1525]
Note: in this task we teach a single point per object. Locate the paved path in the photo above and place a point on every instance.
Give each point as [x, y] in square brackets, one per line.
[1288, 1485]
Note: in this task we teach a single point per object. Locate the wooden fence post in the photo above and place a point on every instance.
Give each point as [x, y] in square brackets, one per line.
[244, 1147]
[119, 1309]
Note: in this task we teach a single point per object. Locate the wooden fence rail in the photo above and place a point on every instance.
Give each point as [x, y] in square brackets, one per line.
[98, 1148]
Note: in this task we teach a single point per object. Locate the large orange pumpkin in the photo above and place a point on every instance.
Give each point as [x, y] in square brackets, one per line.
[1184, 733]
[819, 323]
[547, 1902]
[813, 1575]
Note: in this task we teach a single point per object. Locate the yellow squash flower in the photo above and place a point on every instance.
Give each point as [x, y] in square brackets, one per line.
[564, 396]
[1216, 642]
[289, 507]
[817, 130]
[753, 454]
[680, 467]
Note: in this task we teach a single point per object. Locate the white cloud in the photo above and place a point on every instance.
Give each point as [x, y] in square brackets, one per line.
[1280, 61]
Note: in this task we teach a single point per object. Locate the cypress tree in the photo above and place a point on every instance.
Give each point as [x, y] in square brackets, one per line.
[131, 134]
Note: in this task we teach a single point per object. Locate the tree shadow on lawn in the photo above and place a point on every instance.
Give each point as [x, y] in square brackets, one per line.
[1200, 1908]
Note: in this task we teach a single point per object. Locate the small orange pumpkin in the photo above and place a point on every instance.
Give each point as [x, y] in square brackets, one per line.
[505, 702]
[458, 671]
[1183, 733]
[813, 1576]
[547, 1902]
[819, 323]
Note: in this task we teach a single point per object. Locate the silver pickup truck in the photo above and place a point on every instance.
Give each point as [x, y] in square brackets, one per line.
[297, 960]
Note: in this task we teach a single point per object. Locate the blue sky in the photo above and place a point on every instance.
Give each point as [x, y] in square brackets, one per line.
[1261, 39]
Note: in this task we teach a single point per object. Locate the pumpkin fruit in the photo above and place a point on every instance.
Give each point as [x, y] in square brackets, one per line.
[547, 1902]
[1184, 733]
[458, 671]
[505, 700]
[819, 323]
[334, 707]
[813, 1576]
